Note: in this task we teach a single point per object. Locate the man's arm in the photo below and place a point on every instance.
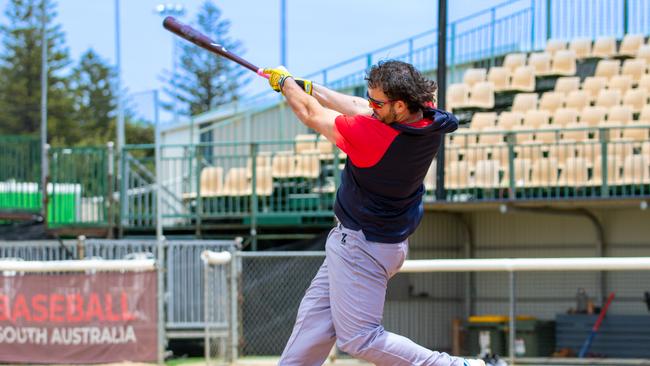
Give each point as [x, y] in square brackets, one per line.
[309, 111]
[345, 104]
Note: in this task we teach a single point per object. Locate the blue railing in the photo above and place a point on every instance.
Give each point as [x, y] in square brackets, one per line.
[515, 25]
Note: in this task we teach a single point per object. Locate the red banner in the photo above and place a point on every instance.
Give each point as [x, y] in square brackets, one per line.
[78, 318]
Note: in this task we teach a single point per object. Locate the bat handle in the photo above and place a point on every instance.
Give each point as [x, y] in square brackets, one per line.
[261, 73]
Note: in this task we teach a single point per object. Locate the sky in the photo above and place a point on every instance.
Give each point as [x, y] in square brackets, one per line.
[319, 34]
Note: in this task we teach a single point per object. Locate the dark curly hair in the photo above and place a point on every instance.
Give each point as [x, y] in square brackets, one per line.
[401, 81]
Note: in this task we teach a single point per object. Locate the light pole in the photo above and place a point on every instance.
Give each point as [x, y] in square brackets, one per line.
[177, 10]
[118, 70]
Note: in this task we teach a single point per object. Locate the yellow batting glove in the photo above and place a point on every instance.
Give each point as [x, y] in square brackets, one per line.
[305, 84]
[277, 77]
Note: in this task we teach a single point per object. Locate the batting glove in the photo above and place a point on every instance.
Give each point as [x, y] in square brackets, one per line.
[277, 76]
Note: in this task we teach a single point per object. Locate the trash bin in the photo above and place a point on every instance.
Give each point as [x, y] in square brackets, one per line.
[491, 334]
[486, 335]
[534, 338]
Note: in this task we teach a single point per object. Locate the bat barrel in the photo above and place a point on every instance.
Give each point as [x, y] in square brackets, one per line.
[187, 32]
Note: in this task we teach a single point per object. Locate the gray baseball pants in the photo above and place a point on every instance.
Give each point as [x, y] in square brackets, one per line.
[345, 304]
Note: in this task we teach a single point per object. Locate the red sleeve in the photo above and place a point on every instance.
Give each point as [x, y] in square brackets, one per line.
[363, 138]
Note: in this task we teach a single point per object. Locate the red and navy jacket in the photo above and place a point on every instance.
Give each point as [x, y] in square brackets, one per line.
[381, 185]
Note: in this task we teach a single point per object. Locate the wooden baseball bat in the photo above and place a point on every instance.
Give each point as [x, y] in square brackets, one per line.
[187, 32]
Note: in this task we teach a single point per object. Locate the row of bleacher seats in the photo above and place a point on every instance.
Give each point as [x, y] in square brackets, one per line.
[565, 124]
[547, 172]
[303, 162]
[479, 86]
[519, 70]
[560, 151]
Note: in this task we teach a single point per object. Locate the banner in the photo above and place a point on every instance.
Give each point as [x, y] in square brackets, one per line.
[78, 318]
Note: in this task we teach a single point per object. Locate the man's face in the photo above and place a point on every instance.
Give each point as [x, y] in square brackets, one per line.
[381, 105]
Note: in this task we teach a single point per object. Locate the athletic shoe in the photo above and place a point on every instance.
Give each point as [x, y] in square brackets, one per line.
[474, 362]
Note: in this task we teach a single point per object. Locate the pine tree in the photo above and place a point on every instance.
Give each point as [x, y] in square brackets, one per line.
[92, 86]
[20, 73]
[204, 80]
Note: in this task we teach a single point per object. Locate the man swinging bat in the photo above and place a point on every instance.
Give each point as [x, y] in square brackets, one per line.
[390, 139]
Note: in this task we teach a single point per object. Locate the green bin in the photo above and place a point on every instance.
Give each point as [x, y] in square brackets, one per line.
[534, 338]
[486, 335]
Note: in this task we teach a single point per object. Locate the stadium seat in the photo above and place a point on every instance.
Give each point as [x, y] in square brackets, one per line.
[630, 45]
[608, 98]
[639, 134]
[508, 120]
[644, 116]
[263, 160]
[481, 120]
[593, 85]
[604, 47]
[473, 76]
[464, 137]
[578, 99]
[620, 148]
[308, 164]
[565, 116]
[644, 82]
[635, 169]
[564, 63]
[644, 53]
[621, 83]
[636, 98]
[543, 172]
[530, 150]
[611, 131]
[523, 79]
[635, 68]
[283, 164]
[535, 118]
[486, 174]
[554, 45]
[561, 152]
[304, 142]
[236, 183]
[491, 136]
[607, 68]
[325, 147]
[457, 96]
[473, 154]
[540, 62]
[547, 134]
[513, 61]
[645, 149]
[264, 181]
[457, 175]
[592, 116]
[614, 167]
[522, 137]
[589, 151]
[575, 173]
[551, 101]
[482, 95]
[522, 172]
[575, 135]
[524, 102]
[500, 77]
[211, 181]
[620, 113]
[581, 47]
[567, 84]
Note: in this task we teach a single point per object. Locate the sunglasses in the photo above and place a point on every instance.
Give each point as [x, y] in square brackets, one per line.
[376, 104]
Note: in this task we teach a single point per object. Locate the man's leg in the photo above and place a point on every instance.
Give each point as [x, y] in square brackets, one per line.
[359, 273]
[313, 334]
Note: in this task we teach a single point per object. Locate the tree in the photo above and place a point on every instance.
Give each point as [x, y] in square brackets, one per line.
[20, 73]
[204, 80]
[92, 88]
